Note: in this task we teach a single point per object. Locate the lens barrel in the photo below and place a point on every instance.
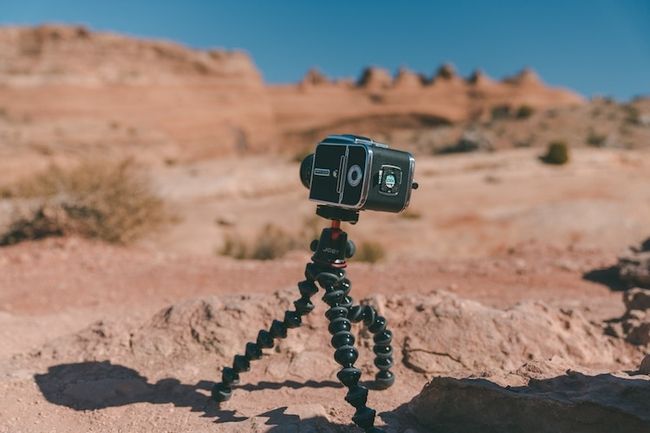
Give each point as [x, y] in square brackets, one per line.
[306, 167]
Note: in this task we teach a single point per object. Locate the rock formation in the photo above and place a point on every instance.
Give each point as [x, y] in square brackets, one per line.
[634, 325]
[536, 399]
[634, 266]
[68, 90]
[374, 78]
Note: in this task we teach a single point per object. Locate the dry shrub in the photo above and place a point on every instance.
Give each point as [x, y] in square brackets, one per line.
[524, 112]
[370, 251]
[411, 214]
[111, 201]
[271, 242]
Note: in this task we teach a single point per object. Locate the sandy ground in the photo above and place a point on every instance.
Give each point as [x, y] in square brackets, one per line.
[496, 228]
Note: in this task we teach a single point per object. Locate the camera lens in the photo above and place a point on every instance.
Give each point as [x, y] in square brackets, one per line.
[305, 170]
[354, 175]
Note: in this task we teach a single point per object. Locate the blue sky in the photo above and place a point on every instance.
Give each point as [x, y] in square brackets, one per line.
[599, 47]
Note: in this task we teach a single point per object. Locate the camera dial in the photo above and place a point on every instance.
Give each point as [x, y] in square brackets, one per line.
[354, 175]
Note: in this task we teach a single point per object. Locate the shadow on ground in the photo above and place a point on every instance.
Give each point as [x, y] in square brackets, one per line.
[608, 276]
[99, 385]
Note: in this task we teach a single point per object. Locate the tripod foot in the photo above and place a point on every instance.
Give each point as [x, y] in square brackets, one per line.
[221, 393]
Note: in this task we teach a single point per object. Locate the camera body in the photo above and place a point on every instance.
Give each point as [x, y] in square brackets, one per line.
[357, 173]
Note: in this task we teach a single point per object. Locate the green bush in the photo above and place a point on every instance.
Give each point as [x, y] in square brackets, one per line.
[111, 201]
[557, 153]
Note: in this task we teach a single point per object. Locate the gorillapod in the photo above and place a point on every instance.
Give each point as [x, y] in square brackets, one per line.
[327, 268]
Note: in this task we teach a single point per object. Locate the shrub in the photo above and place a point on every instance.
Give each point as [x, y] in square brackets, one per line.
[632, 114]
[500, 112]
[369, 251]
[596, 140]
[110, 201]
[271, 242]
[557, 153]
[524, 112]
[411, 214]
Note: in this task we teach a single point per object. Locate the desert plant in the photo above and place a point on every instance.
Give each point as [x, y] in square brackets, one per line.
[500, 112]
[557, 153]
[524, 112]
[596, 140]
[632, 114]
[111, 201]
[270, 243]
[411, 214]
[369, 251]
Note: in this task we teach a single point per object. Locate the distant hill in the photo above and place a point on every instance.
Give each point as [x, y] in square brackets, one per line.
[66, 89]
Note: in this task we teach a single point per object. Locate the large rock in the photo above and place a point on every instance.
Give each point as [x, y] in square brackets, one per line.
[634, 266]
[634, 325]
[456, 336]
[573, 402]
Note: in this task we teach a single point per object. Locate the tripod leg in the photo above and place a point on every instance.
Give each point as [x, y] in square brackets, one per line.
[336, 289]
[292, 319]
[382, 337]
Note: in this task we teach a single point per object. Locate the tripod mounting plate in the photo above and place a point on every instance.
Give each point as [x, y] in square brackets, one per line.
[338, 214]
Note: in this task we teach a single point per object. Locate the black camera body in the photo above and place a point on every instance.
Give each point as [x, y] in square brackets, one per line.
[356, 173]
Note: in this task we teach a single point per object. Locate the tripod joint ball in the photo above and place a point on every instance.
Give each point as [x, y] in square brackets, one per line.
[327, 270]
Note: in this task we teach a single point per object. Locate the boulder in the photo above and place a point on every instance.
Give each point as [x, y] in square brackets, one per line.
[634, 266]
[634, 325]
[572, 402]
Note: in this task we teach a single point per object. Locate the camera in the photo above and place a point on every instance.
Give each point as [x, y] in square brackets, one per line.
[356, 173]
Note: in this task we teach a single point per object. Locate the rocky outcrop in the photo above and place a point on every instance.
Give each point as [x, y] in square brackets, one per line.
[538, 401]
[374, 78]
[314, 77]
[68, 90]
[87, 92]
[457, 336]
[437, 333]
[634, 266]
[407, 79]
[634, 325]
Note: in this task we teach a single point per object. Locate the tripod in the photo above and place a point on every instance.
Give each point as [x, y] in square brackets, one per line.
[327, 268]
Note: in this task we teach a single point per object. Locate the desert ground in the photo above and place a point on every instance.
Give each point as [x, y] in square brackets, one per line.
[503, 282]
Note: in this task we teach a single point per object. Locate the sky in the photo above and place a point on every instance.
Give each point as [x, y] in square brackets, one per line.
[598, 47]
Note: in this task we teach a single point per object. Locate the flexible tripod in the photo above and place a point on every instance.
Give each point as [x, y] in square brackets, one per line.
[327, 268]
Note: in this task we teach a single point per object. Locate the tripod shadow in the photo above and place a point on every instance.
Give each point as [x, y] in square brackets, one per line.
[607, 276]
[100, 385]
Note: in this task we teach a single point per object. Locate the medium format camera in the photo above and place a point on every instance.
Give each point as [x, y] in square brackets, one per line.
[357, 173]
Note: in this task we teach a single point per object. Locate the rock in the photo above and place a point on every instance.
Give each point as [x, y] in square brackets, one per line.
[478, 78]
[458, 336]
[472, 140]
[375, 78]
[525, 77]
[634, 266]
[445, 72]
[406, 79]
[637, 299]
[572, 402]
[314, 77]
[644, 368]
[634, 325]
